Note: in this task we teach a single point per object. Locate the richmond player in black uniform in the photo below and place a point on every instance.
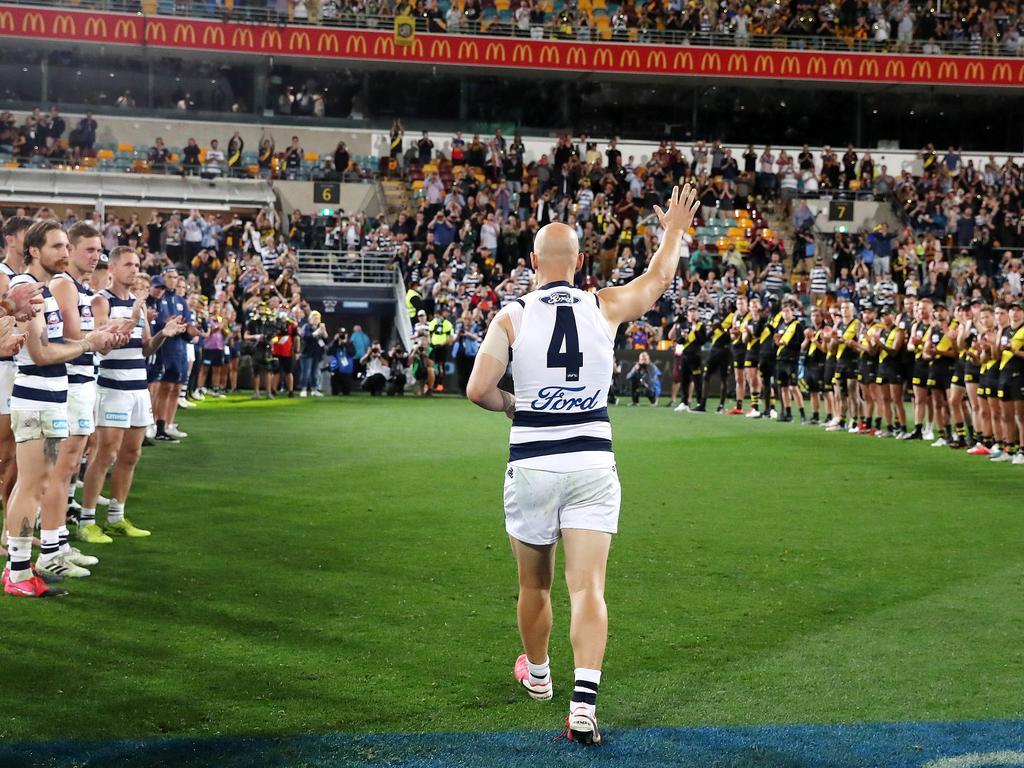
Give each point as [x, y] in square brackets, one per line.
[889, 376]
[719, 361]
[740, 318]
[689, 335]
[752, 339]
[940, 350]
[767, 361]
[815, 348]
[919, 373]
[789, 339]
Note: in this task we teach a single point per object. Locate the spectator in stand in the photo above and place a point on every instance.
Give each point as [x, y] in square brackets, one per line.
[425, 149]
[190, 163]
[83, 138]
[234, 155]
[293, 159]
[215, 162]
[159, 155]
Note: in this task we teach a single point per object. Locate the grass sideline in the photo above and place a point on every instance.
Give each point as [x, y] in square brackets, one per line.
[341, 565]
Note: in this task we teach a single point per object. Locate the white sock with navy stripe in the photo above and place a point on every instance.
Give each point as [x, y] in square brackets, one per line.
[539, 673]
[584, 693]
[49, 539]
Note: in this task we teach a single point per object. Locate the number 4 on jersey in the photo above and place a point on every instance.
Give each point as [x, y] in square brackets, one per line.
[565, 334]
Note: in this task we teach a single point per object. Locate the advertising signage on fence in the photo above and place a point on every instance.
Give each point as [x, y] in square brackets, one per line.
[506, 53]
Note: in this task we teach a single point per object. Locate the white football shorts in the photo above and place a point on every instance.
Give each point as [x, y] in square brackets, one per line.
[539, 504]
[7, 371]
[123, 408]
[35, 425]
[82, 409]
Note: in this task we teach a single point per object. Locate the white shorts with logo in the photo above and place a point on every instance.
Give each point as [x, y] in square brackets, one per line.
[123, 408]
[35, 425]
[7, 371]
[82, 409]
[539, 504]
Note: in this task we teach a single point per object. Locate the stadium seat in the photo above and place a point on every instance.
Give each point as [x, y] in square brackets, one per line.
[126, 148]
[105, 154]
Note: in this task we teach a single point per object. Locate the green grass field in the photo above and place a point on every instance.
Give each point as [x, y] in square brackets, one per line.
[341, 565]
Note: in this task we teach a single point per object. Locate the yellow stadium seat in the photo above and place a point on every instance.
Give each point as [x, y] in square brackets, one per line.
[599, 5]
[767, 233]
[734, 232]
[12, 164]
[501, 5]
[417, 184]
[252, 170]
[105, 154]
[605, 33]
[129, 148]
[312, 157]
[430, 168]
[88, 162]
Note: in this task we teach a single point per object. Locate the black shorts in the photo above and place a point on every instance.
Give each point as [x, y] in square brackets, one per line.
[867, 369]
[263, 364]
[767, 367]
[906, 365]
[213, 357]
[283, 364]
[972, 373]
[830, 372]
[718, 360]
[888, 372]
[957, 378]
[940, 374]
[786, 373]
[919, 373]
[752, 356]
[739, 356]
[814, 376]
[846, 368]
[989, 386]
[1011, 385]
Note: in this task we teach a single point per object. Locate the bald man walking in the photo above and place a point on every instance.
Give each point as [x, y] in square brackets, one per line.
[561, 482]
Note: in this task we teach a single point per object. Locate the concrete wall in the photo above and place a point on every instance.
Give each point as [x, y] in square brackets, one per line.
[293, 195]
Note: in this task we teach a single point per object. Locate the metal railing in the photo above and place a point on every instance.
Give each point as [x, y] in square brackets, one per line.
[348, 267]
[240, 11]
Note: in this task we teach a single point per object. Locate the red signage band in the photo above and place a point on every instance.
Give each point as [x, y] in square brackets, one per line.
[509, 53]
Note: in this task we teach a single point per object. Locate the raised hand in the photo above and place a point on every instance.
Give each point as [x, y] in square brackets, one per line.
[682, 207]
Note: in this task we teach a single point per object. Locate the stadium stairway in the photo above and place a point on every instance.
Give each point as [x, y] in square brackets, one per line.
[396, 196]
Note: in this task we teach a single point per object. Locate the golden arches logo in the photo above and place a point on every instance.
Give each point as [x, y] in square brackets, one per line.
[299, 40]
[764, 63]
[816, 67]
[271, 38]
[156, 32]
[468, 50]
[841, 67]
[949, 70]
[442, 49]
[549, 55]
[213, 36]
[894, 69]
[328, 42]
[355, 43]
[416, 49]
[682, 60]
[6, 21]
[184, 33]
[94, 27]
[657, 60]
[868, 68]
[1001, 71]
[125, 30]
[33, 23]
[630, 58]
[922, 70]
[737, 62]
[975, 71]
[711, 62]
[522, 52]
[243, 39]
[65, 25]
[790, 65]
[602, 58]
[384, 45]
[494, 52]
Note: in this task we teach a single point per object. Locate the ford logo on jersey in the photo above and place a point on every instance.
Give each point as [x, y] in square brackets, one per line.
[560, 399]
[559, 298]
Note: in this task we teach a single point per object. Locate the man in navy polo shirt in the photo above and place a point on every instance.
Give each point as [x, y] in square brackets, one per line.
[172, 360]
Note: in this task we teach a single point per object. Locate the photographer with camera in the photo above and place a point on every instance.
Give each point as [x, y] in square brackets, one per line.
[642, 378]
[422, 366]
[398, 379]
[260, 327]
[377, 370]
[342, 354]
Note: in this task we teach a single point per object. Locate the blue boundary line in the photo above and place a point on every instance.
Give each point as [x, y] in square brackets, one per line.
[882, 745]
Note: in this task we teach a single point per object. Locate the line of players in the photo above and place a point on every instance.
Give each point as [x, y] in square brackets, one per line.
[57, 404]
[964, 374]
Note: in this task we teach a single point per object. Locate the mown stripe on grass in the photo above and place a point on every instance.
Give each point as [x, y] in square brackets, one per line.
[877, 745]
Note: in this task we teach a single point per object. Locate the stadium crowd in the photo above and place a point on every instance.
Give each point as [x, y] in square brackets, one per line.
[895, 25]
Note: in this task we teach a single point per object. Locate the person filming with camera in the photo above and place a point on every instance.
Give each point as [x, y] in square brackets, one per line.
[377, 370]
[641, 379]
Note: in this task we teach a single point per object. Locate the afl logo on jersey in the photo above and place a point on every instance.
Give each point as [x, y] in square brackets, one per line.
[53, 318]
[86, 310]
[559, 298]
